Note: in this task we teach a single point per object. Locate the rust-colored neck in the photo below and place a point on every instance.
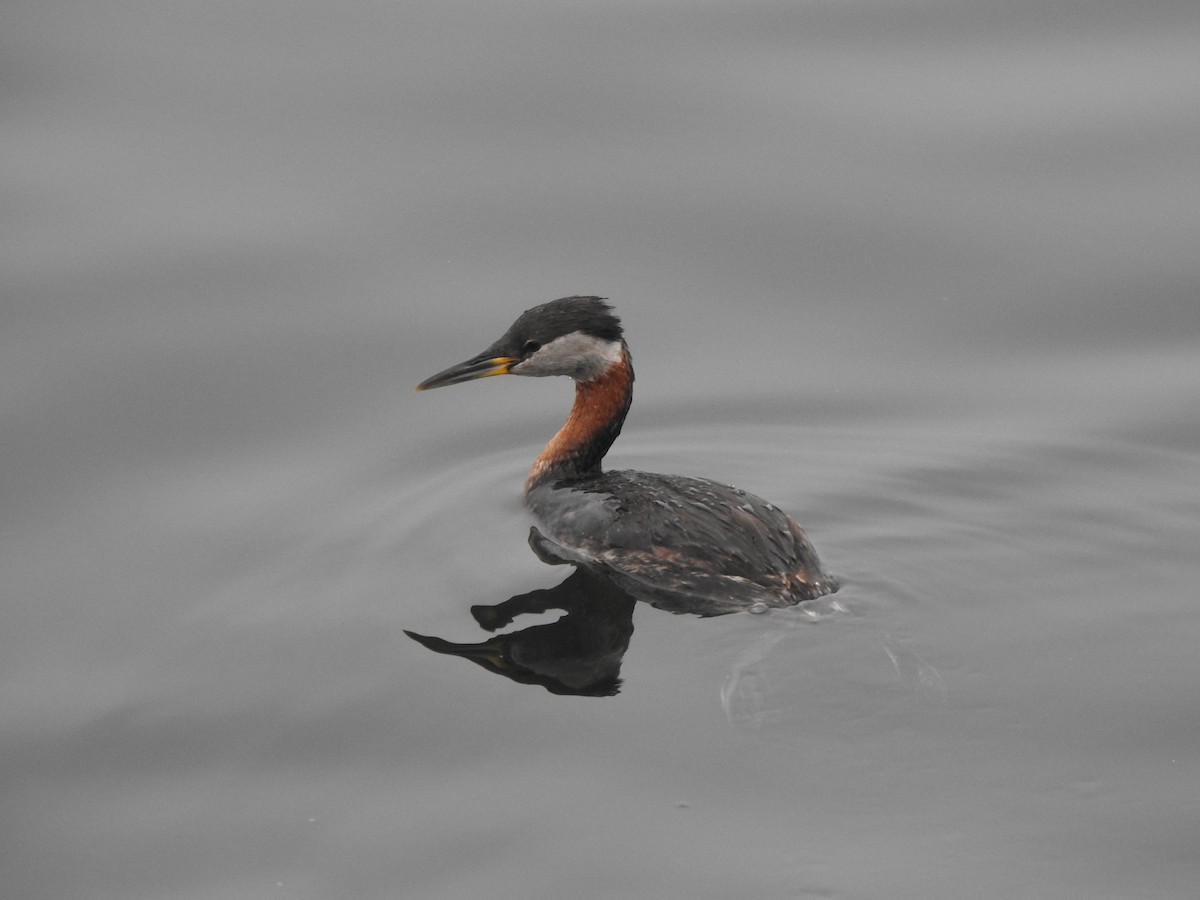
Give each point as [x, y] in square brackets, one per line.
[590, 429]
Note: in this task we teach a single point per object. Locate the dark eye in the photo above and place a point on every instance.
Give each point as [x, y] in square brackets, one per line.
[530, 348]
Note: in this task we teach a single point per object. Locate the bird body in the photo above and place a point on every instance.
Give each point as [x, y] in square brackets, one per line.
[681, 542]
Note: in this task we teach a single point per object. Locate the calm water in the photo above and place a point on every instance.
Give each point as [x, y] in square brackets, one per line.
[924, 274]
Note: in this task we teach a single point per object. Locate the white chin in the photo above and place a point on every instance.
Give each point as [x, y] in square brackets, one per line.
[581, 356]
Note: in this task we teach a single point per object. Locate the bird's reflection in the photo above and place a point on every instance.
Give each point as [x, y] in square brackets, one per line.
[579, 653]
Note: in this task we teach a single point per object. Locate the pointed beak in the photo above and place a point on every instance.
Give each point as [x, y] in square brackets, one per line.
[481, 366]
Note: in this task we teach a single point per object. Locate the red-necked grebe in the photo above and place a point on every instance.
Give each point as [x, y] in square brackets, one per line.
[666, 535]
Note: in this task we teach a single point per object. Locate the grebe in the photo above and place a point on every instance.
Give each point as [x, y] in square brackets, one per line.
[667, 538]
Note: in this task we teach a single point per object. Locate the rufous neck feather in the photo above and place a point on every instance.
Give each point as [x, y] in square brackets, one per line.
[592, 426]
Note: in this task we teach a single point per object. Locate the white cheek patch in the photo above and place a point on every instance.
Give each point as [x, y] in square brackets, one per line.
[581, 356]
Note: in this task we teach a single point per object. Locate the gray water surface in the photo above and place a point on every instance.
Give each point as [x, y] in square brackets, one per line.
[923, 274]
